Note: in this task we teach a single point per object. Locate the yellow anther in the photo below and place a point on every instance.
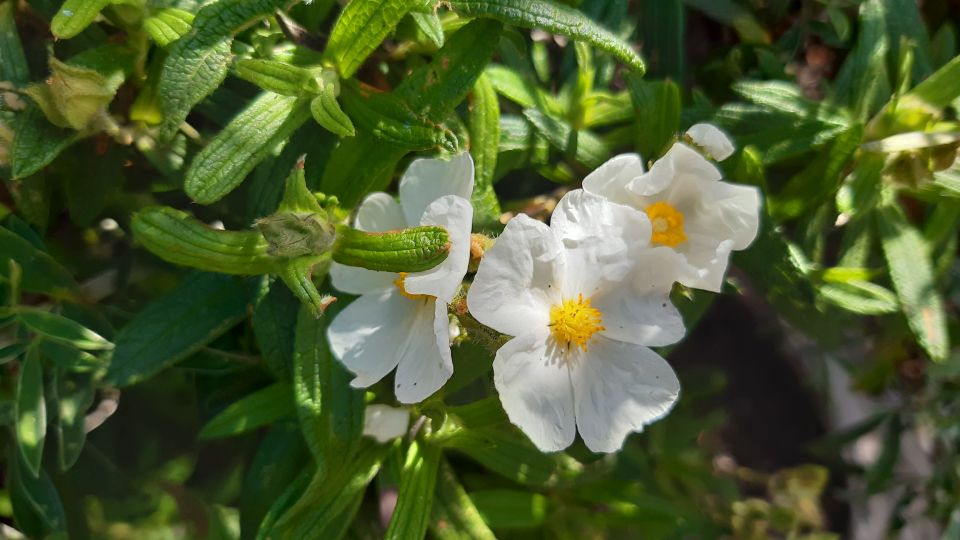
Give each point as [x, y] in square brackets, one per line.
[399, 283]
[574, 322]
[667, 224]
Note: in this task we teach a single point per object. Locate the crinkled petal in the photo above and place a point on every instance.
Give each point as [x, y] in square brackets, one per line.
[455, 214]
[519, 278]
[712, 139]
[534, 387]
[678, 163]
[601, 239]
[369, 335]
[379, 212]
[355, 280]
[385, 423]
[425, 364]
[428, 179]
[639, 310]
[734, 212]
[612, 178]
[706, 262]
[619, 388]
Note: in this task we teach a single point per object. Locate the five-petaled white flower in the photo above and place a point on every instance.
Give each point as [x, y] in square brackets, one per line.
[400, 320]
[584, 298]
[693, 213]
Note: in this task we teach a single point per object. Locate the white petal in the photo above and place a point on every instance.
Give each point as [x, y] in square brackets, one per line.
[456, 215]
[385, 423]
[680, 162]
[519, 278]
[711, 139]
[379, 212]
[356, 280]
[368, 336]
[612, 178]
[639, 311]
[425, 363]
[535, 391]
[426, 180]
[619, 388]
[706, 262]
[735, 211]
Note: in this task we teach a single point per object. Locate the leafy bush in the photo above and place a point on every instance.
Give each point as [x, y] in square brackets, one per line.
[181, 178]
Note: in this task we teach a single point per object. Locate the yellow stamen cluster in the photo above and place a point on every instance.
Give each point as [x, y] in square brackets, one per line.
[574, 322]
[399, 283]
[667, 224]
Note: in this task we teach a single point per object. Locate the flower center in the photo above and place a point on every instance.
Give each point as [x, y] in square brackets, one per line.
[399, 283]
[574, 322]
[667, 224]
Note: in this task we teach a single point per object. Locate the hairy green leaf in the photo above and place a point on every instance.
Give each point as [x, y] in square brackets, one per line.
[455, 517]
[362, 25]
[280, 459]
[75, 15]
[41, 273]
[484, 147]
[389, 118]
[13, 63]
[37, 142]
[168, 25]
[409, 250]
[259, 408]
[415, 498]
[583, 146]
[61, 329]
[274, 76]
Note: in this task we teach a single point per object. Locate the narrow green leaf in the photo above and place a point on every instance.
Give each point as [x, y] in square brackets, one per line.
[455, 517]
[71, 359]
[31, 412]
[863, 82]
[36, 142]
[418, 481]
[274, 322]
[657, 109]
[327, 112]
[168, 25]
[178, 324]
[61, 329]
[507, 508]
[430, 25]
[484, 121]
[75, 394]
[41, 273]
[733, 14]
[910, 270]
[280, 459]
[75, 15]
[179, 238]
[197, 64]
[239, 147]
[408, 250]
[583, 146]
[274, 76]
[941, 88]
[860, 297]
[663, 27]
[38, 493]
[553, 17]
[362, 25]
[260, 408]
[13, 63]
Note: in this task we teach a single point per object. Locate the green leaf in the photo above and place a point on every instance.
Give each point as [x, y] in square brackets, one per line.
[280, 459]
[13, 63]
[36, 142]
[910, 270]
[329, 409]
[37, 495]
[418, 481]
[178, 324]
[168, 25]
[554, 18]
[733, 14]
[61, 329]
[274, 76]
[362, 163]
[75, 15]
[408, 250]
[41, 273]
[260, 408]
[327, 112]
[430, 25]
[71, 359]
[179, 238]
[239, 147]
[274, 322]
[197, 63]
[74, 395]
[863, 81]
[31, 412]
[789, 98]
[656, 106]
[484, 121]
[663, 27]
[941, 88]
[507, 508]
[389, 118]
[362, 25]
[860, 297]
[455, 517]
[583, 146]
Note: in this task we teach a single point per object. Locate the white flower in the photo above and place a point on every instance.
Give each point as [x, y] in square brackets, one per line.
[569, 294]
[698, 217]
[400, 320]
[385, 423]
[710, 138]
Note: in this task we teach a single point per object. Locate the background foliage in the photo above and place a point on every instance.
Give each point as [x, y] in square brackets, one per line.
[141, 399]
